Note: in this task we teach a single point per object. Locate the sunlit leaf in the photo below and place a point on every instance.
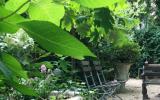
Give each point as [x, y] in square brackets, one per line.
[96, 3]
[13, 5]
[46, 10]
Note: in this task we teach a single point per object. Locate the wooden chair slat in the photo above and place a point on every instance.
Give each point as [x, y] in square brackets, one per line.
[150, 75]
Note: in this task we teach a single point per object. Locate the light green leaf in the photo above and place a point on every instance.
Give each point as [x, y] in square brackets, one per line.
[13, 65]
[8, 27]
[54, 39]
[13, 5]
[131, 23]
[96, 3]
[118, 37]
[22, 88]
[12, 19]
[46, 10]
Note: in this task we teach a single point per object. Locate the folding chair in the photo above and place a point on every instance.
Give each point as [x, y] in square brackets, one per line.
[109, 86]
[95, 79]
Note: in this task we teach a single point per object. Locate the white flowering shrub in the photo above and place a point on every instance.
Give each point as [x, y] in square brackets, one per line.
[18, 40]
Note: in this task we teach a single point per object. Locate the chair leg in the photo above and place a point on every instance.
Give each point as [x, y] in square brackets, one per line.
[144, 91]
[119, 97]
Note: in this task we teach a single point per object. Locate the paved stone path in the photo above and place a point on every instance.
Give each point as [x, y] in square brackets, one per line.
[134, 89]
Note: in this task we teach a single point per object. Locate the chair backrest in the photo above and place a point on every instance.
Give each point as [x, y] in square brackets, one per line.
[152, 67]
[93, 75]
[88, 74]
[100, 74]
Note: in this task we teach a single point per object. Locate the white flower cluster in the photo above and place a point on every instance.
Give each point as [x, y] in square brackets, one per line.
[20, 40]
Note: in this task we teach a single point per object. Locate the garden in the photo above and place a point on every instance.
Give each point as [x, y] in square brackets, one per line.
[79, 49]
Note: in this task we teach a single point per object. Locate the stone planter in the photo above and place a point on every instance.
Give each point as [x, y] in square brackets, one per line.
[123, 74]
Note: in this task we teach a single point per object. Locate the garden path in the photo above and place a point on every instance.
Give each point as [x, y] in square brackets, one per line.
[134, 89]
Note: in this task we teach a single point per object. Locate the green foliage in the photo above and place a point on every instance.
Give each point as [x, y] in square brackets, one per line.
[127, 53]
[149, 41]
[44, 21]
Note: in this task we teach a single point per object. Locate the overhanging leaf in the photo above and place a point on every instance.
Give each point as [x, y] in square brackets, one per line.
[46, 10]
[54, 39]
[13, 5]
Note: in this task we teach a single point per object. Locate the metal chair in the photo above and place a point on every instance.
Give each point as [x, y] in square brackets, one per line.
[94, 77]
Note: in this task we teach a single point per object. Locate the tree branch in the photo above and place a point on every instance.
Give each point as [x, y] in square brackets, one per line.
[5, 17]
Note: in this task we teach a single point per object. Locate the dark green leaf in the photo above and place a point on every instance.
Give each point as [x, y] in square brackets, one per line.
[23, 89]
[8, 27]
[13, 65]
[103, 18]
[6, 72]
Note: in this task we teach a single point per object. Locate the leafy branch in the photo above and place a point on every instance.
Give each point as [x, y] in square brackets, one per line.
[5, 17]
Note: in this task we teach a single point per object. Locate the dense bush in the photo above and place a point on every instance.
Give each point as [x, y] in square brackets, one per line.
[149, 41]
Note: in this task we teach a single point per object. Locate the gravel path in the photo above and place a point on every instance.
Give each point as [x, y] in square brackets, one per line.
[134, 89]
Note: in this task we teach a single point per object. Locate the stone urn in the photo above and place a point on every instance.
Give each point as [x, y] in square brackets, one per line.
[123, 74]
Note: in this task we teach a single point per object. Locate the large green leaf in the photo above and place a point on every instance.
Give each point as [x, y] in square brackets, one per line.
[96, 3]
[13, 65]
[46, 10]
[22, 88]
[8, 27]
[54, 39]
[12, 19]
[13, 5]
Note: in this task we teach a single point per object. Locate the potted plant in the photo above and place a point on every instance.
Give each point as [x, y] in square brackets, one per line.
[120, 57]
[125, 56]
